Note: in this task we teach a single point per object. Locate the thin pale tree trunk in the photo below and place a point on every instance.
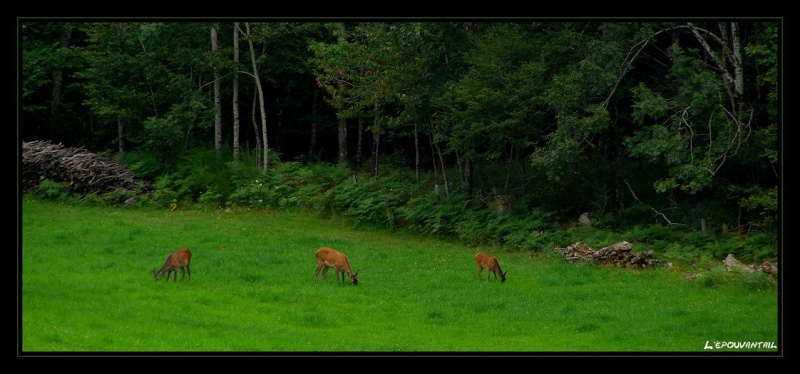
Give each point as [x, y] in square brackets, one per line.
[444, 170]
[58, 77]
[359, 141]
[236, 91]
[468, 175]
[120, 138]
[510, 168]
[255, 129]
[265, 153]
[342, 137]
[376, 141]
[342, 127]
[416, 152]
[217, 97]
[435, 171]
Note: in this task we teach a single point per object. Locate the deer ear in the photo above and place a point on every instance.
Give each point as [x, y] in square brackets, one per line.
[356, 273]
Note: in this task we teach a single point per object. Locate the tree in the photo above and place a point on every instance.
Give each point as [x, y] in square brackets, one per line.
[260, 91]
[51, 98]
[235, 99]
[115, 97]
[499, 106]
[700, 127]
[217, 96]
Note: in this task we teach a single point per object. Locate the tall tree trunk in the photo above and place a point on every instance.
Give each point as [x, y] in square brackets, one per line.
[359, 141]
[120, 138]
[444, 170]
[435, 172]
[312, 143]
[738, 72]
[342, 127]
[277, 129]
[255, 129]
[416, 152]
[58, 78]
[728, 60]
[511, 163]
[217, 97]
[468, 175]
[236, 91]
[260, 97]
[149, 81]
[376, 141]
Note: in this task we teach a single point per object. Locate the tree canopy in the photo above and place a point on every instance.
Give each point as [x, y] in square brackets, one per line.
[675, 119]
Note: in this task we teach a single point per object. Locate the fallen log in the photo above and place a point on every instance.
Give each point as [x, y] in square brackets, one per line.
[732, 263]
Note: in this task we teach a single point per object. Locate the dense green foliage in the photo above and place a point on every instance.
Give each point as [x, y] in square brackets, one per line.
[87, 287]
[391, 203]
[428, 126]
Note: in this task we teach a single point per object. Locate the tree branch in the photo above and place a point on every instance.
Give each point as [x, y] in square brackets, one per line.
[657, 213]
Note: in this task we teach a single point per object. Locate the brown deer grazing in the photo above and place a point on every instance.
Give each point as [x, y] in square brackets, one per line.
[331, 258]
[180, 259]
[490, 263]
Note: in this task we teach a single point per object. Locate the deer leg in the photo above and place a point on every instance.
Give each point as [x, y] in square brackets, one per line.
[316, 272]
[325, 273]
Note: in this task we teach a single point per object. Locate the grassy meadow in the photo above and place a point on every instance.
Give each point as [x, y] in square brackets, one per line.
[86, 284]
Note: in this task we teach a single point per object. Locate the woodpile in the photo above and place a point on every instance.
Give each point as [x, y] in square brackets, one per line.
[84, 172]
[619, 254]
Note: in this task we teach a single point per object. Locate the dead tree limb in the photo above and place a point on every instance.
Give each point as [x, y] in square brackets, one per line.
[657, 213]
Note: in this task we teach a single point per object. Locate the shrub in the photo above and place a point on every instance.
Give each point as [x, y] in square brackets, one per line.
[253, 194]
[435, 214]
[54, 191]
[163, 192]
[211, 199]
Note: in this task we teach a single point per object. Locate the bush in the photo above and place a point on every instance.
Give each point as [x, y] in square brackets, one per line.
[377, 200]
[54, 191]
[211, 199]
[163, 193]
[718, 276]
[435, 214]
[755, 281]
[253, 194]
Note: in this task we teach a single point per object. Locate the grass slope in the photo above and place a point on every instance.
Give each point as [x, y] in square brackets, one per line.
[86, 285]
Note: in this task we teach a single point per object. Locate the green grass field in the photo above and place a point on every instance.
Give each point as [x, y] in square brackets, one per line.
[86, 285]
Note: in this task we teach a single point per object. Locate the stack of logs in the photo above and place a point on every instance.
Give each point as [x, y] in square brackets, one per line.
[84, 172]
[618, 254]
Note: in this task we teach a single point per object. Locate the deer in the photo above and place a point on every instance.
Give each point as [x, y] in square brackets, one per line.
[180, 259]
[490, 263]
[331, 258]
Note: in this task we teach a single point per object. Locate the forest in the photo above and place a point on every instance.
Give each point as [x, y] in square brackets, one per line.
[499, 132]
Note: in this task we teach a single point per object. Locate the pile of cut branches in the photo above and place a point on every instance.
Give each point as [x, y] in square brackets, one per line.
[82, 171]
[618, 254]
